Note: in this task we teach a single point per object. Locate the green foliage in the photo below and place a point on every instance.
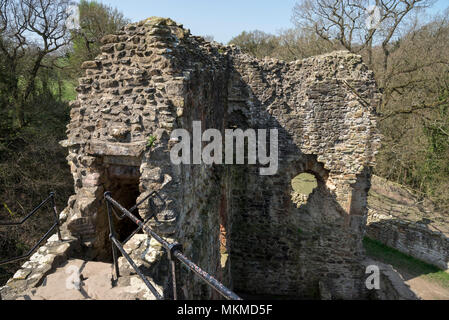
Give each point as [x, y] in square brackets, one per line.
[151, 141]
[96, 21]
[32, 163]
[433, 171]
[256, 43]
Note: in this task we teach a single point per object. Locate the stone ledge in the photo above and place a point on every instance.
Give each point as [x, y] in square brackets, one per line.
[71, 142]
[103, 148]
[46, 259]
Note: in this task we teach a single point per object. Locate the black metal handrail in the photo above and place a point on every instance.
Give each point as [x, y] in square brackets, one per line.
[51, 198]
[133, 208]
[174, 250]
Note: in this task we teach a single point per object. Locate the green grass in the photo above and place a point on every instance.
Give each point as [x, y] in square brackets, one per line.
[68, 90]
[304, 183]
[402, 261]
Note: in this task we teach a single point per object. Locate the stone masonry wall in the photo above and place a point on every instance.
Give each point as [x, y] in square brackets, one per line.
[326, 128]
[411, 238]
[243, 228]
[399, 219]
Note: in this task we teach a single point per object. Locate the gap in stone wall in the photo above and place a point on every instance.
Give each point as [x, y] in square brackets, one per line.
[303, 186]
[123, 183]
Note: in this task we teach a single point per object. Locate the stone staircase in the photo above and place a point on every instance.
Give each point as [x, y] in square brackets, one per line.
[52, 273]
[87, 280]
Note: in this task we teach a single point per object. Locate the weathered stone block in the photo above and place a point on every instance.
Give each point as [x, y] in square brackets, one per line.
[109, 39]
[91, 65]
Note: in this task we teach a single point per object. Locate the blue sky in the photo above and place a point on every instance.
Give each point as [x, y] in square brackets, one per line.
[222, 19]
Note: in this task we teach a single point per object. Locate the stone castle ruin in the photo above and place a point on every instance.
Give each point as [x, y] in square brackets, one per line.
[252, 232]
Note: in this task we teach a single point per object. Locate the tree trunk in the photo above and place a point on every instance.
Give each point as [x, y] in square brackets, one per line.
[59, 89]
[19, 114]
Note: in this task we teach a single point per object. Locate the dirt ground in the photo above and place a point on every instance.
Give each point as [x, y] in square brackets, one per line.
[425, 288]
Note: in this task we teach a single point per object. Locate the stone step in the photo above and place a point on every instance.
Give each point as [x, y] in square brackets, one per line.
[88, 280]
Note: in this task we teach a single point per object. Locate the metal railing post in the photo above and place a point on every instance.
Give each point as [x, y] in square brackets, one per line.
[28, 216]
[55, 213]
[111, 235]
[172, 248]
[173, 276]
[136, 268]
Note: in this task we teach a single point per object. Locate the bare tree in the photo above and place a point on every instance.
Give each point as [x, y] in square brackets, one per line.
[410, 59]
[30, 30]
[418, 70]
[375, 29]
[298, 43]
[357, 24]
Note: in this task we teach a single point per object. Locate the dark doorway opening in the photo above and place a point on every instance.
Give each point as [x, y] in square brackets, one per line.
[123, 183]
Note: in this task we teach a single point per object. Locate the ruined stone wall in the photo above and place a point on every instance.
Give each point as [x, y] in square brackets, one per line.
[323, 109]
[400, 219]
[243, 228]
[149, 80]
[410, 238]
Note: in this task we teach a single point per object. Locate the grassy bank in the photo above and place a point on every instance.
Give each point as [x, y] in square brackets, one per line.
[405, 263]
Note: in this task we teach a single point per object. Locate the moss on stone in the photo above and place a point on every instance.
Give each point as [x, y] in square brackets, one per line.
[159, 21]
